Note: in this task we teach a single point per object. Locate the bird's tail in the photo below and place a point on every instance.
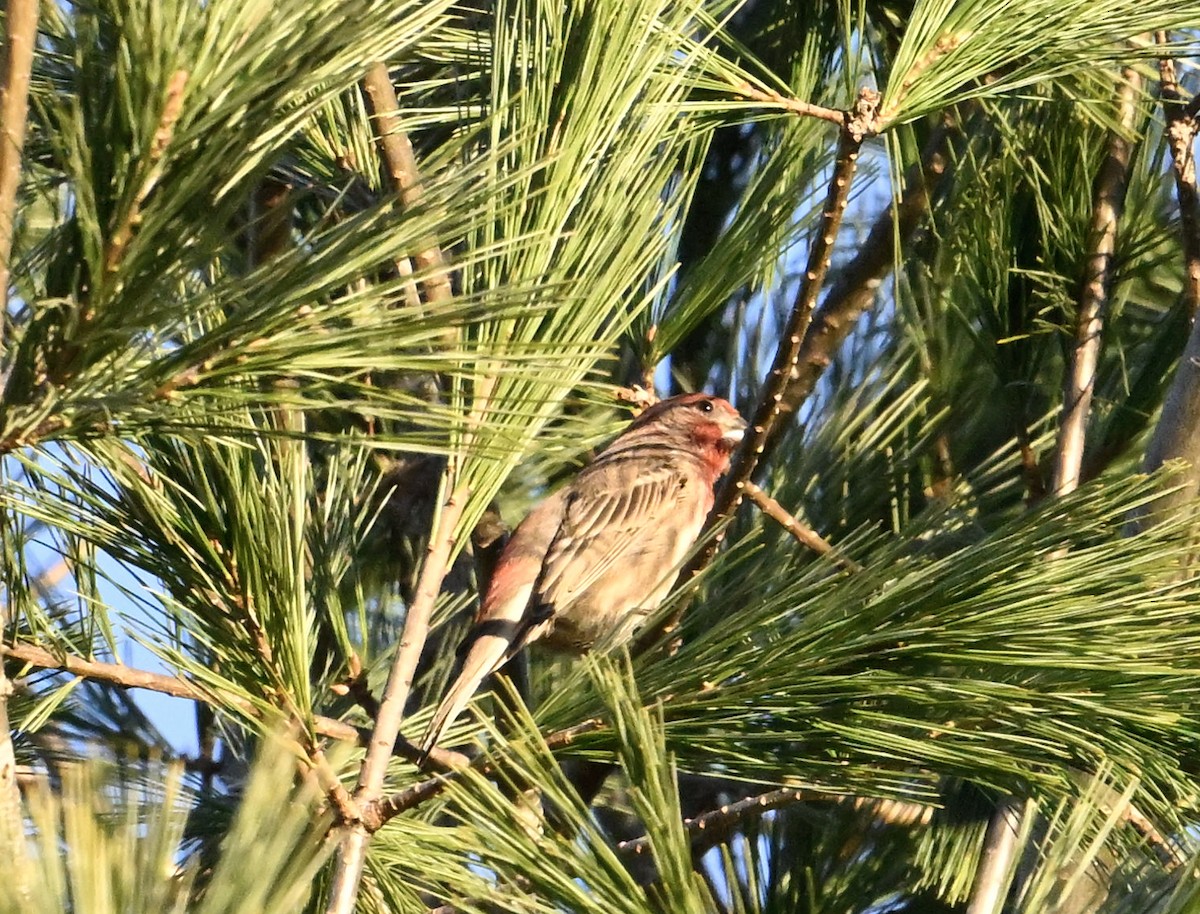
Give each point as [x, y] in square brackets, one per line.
[486, 655]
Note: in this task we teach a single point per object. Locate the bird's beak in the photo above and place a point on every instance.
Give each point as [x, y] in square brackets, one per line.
[735, 430]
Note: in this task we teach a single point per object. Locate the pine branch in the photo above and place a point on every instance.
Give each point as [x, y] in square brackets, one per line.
[352, 852]
[804, 534]
[1177, 433]
[347, 809]
[400, 163]
[995, 864]
[857, 124]
[857, 284]
[717, 826]
[12, 822]
[128, 677]
[1108, 201]
[378, 812]
[791, 105]
[21, 28]
[172, 108]
[1182, 128]
[767, 411]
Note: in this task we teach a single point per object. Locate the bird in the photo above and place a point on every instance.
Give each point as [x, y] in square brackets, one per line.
[594, 559]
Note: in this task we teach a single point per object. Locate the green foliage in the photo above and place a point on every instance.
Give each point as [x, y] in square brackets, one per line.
[103, 844]
[233, 409]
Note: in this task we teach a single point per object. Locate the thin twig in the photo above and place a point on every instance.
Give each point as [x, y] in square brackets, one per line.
[348, 870]
[331, 785]
[1181, 130]
[153, 168]
[12, 822]
[716, 826]
[377, 813]
[856, 124]
[803, 533]
[767, 411]
[1177, 434]
[408, 652]
[947, 43]
[21, 28]
[339, 798]
[1108, 201]
[133, 678]
[857, 284]
[791, 105]
[355, 687]
[128, 677]
[400, 162]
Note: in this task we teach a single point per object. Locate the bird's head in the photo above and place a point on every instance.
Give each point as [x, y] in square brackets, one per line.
[709, 423]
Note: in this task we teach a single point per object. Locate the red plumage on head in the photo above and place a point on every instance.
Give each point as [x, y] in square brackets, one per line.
[710, 425]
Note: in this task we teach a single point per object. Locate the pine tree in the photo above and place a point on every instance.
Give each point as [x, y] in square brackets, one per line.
[306, 301]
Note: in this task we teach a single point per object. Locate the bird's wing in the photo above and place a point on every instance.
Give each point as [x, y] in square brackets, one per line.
[605, 517]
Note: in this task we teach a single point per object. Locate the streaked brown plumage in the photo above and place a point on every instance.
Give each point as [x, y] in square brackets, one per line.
[590, 562]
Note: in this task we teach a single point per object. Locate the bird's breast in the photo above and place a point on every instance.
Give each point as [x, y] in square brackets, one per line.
[612, 607]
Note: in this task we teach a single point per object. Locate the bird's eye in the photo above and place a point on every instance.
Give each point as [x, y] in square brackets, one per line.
[705, 406]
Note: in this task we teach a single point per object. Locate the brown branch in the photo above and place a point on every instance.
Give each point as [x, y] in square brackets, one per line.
[128, 677]
[996, 860]
[21, 27]
[1108, 201]
[803, 533]
[767, 411]
[12, 822]
[400, 162]
[791, 105]
[857, 284]
[1181, 130]
[408, 652]
[716, 826]
[857, 123]
[355, 688]
[331, 785]
[132, 678]
[352, 852]
[378, 812]
[946, 44]
[1177, 435]
[172, 108]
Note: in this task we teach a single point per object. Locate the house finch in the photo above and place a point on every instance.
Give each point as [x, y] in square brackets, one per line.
[595, 558]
